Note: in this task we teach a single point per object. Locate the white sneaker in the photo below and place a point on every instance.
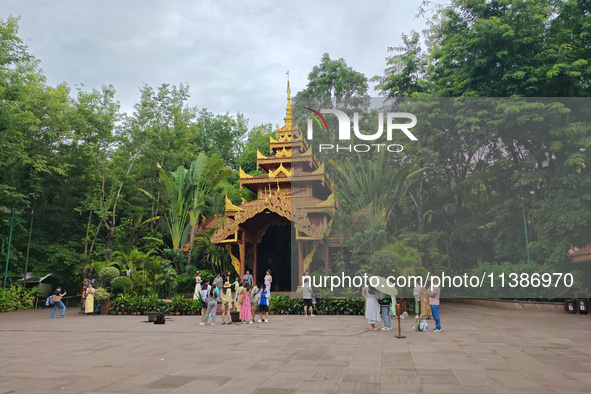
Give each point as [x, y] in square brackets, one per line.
[250, 322]
[201, 324]
[385, 329]
[260, 321]
[213, 324]
[437, 330]
[266, 321]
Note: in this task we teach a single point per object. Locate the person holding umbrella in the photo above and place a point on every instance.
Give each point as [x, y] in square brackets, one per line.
[387, 300]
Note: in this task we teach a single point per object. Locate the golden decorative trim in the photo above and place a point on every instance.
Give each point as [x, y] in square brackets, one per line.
[284, 153]
[279, 170]
[285, 138]
[230, 240]
[260, 155]
[271, 139]
[329, 202]
[243, 174]
[235, 261]
[277, 203]
[231, 207]
[310, 256]
[307, 153]
[319, 170]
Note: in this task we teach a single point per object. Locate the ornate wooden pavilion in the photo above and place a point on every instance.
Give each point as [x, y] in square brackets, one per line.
[294, 199]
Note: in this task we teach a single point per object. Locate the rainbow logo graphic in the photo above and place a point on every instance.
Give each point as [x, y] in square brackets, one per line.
[316, 118]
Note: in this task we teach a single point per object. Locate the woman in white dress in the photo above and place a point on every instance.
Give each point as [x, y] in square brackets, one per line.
[268, 280]
[198, 281]
[372, 307]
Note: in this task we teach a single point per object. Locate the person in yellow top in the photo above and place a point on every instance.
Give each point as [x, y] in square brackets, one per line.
[89, 307]
[227, 301]
[425, 306]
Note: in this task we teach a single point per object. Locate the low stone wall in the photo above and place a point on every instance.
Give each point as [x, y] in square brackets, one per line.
[556, 307]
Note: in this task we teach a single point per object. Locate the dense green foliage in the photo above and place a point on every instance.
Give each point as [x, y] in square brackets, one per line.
[76, 165]
[15, 298]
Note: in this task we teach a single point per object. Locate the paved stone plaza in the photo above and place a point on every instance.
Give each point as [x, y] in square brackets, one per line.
[481, 350]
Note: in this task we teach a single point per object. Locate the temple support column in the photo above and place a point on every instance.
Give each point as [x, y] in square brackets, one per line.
[255, 248]
[300, 263]
[242, 248]
[326, 257]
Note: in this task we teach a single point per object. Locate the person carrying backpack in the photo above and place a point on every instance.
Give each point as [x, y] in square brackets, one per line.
[255, 296]
[212, 304]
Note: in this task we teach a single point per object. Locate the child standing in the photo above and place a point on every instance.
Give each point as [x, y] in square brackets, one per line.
[264, 305]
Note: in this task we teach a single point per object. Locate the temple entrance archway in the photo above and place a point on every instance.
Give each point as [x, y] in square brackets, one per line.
[275, 253]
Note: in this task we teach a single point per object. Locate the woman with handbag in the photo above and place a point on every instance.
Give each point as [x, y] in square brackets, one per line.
[57, 301]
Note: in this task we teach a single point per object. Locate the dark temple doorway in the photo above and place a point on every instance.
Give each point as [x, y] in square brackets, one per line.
[275, 253]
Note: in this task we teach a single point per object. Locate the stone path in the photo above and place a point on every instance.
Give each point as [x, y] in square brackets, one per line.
[481, 350]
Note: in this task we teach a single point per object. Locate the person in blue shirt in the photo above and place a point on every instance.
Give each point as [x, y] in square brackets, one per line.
[247, 278]
[264, 305]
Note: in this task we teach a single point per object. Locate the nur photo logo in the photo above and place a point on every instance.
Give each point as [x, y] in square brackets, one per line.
[393, 124]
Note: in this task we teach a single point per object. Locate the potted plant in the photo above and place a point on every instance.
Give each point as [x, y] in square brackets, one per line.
[102, 296]
[177, 303]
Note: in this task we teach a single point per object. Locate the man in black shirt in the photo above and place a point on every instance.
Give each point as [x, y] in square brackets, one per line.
[57, 301]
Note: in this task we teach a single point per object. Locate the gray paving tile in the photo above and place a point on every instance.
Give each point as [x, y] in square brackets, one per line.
[323, 355]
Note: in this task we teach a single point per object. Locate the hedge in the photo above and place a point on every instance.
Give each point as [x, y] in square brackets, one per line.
[281, 304]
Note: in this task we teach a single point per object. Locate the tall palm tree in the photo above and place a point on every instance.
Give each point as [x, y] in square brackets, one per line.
[204, 175]
[371, 189]
[175, 191]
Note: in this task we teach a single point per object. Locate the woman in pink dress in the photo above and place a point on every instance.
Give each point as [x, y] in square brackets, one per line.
[245, 311]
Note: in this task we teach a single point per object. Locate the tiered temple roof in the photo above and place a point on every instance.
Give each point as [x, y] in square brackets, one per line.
[295, 187]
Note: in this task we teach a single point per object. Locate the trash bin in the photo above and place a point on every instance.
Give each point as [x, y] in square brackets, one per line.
[582, 306]
[570, 307]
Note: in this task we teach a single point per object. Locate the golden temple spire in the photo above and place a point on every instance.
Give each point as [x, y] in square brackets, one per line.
[288, 118]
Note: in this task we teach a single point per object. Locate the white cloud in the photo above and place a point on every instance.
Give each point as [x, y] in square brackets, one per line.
[233, 54]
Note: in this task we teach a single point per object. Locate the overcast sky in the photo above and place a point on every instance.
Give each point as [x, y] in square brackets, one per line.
[233, 54]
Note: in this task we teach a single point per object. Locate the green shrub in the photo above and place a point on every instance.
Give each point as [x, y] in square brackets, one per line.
[15, 298]
[327, 306]
[100, 294]
[185, 283]
[121, 283]
[107, 274]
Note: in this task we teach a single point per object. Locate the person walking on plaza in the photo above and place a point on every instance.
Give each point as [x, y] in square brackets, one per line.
[307, 295]
[89, 306]
[385, 305]
[212, 304]
[372, 307]
[255, 295]
[204, 290]
[244, 300]
[433, 294]
[226, 303]
[57, 301]
[264, 305]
